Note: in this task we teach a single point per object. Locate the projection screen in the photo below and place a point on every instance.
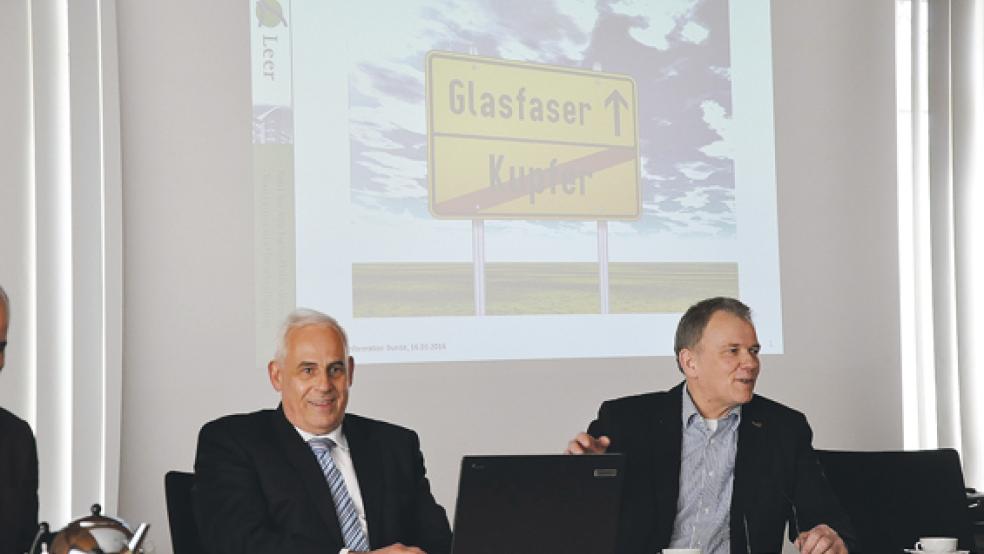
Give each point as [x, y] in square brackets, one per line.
[565, 177]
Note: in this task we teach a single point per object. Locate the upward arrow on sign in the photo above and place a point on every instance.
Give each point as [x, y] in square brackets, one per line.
[618, 101]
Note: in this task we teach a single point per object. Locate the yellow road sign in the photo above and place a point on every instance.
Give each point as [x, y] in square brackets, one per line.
[516, 140]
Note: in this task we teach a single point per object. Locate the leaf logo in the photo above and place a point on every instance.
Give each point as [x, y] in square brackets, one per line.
[269, 13]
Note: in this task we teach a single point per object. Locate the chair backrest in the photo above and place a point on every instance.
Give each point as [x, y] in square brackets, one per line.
[180, 516]
[893, 498]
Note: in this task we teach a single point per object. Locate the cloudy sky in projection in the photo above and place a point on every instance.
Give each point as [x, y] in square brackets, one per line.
[676, 50]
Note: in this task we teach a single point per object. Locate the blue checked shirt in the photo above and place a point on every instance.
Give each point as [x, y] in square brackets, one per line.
[707, 475]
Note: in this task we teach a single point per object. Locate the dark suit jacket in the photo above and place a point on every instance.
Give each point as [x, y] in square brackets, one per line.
[775, 468]
[18, 484]
[259, 489]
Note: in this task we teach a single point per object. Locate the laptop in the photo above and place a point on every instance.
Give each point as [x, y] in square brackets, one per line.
[538, 504]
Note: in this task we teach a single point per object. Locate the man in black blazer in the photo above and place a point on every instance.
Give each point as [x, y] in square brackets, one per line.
[18, 467]
[710, 464]
[262, 486]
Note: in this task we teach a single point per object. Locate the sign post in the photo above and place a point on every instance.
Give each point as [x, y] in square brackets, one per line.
[515, 140]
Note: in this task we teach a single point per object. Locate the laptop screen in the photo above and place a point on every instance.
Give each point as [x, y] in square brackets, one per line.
[538, 504]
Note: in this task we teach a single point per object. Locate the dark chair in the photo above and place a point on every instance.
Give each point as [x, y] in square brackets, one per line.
[180, 516]
[893, 498]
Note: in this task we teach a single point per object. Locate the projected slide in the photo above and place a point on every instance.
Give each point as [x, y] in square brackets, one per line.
[482, 180]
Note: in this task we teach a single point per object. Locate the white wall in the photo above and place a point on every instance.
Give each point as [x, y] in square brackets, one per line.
[16, 387]
[188, 255]
[188, 267]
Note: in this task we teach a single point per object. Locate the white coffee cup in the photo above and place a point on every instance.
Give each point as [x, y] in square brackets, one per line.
[681, 551]
[937, 544]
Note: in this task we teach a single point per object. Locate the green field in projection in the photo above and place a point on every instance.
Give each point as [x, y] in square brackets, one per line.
[520, 288]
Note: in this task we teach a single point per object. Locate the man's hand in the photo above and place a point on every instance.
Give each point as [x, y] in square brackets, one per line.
[819, 540]
[584, 443]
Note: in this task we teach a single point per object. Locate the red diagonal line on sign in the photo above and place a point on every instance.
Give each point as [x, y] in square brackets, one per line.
[491, 196]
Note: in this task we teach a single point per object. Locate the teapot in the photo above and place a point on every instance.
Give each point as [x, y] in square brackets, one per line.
[99, 534]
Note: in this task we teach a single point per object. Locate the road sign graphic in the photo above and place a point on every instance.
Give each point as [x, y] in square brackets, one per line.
[517, 140]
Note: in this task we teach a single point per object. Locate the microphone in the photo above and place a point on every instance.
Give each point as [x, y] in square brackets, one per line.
[796, 521]
[792, 505]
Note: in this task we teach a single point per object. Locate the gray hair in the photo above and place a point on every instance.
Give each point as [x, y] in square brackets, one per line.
[5, 300]
[304, 317]
[694, 321]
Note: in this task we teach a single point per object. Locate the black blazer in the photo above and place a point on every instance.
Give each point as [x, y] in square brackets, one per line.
[259, 489]
[18, 484]
[775, 468]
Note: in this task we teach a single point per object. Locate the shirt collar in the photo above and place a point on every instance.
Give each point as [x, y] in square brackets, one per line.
[690, 414]
[335, 435]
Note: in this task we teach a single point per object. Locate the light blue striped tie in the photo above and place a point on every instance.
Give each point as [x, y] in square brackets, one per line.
[348, 518]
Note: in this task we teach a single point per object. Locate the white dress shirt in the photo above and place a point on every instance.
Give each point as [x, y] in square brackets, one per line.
[708, 450]
[342, 457]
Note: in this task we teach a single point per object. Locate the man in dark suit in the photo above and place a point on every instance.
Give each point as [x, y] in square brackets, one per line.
[710, 464]
[18, 467]
[307, 478]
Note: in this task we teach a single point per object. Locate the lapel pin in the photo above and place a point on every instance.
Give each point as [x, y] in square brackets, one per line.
[757, 424]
